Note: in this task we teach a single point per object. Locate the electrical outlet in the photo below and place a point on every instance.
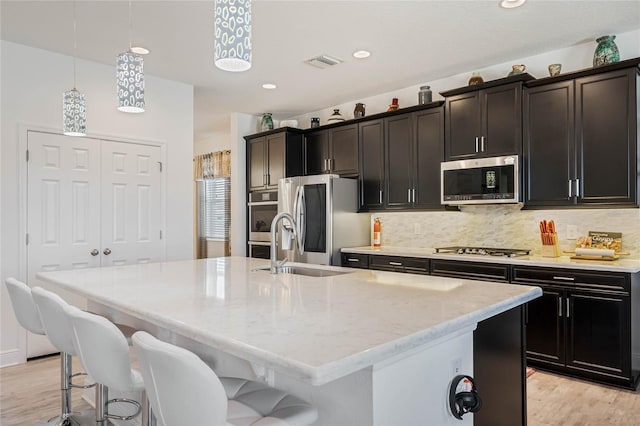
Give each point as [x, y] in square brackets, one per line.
[572, 232]
[456, 366]
[416, 228]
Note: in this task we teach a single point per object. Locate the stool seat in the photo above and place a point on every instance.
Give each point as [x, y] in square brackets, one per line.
[253, 403]
[183, 390]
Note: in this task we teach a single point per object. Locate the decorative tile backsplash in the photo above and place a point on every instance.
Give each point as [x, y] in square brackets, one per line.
[504, 226]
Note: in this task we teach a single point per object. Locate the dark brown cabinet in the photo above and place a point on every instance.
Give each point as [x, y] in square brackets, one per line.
[371, 135]
[414, 145]
[333, 150]
[273, 156]
[483, 123]
[582, 323]
[470, 270]
[400, 264]
[580, 143]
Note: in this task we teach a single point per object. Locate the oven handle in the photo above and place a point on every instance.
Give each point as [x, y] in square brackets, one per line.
[300, 218]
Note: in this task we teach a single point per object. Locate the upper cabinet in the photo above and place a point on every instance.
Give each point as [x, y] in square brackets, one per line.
[485, 121]
[272, 156]
[580, 140]
[332, 150]
[371, 165]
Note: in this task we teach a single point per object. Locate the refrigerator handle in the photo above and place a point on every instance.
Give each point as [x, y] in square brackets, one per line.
[300, 218]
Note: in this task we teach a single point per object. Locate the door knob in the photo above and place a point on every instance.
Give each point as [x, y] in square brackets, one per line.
[95, 252]
[107, 251]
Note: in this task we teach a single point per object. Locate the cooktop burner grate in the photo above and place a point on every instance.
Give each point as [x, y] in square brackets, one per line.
[484, 251]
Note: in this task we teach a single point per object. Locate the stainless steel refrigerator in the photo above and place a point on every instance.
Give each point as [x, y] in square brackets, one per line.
[324, 208]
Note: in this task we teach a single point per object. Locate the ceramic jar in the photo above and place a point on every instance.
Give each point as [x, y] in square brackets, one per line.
[335, 117]
[424, 95]
[475, 79]
[606, 52]
[358, 111]
[315, 122]
[554, 69]
[267, 122]
[517, 69]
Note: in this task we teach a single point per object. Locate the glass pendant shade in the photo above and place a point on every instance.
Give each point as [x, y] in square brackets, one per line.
[130, 76]
[74, 113]
[233, 35]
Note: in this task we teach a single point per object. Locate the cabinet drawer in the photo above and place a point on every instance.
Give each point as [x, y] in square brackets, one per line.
[355, 260]
[470, 270]
[387, 263]
[416, 266]
[596, 280]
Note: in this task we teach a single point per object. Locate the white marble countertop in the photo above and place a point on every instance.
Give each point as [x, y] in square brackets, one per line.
[314, 329]
[621, 265]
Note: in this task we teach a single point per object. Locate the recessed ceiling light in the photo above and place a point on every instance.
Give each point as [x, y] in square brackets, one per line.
[269, 86]
[140, 50]
[510, 4]
[361, 54]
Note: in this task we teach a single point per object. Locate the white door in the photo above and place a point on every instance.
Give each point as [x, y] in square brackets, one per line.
[90, 203]
[63, 210]
[131, 204]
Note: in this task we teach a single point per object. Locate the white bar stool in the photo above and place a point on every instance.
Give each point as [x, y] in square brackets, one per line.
[28, 315]
[183, 390]
[104, 352]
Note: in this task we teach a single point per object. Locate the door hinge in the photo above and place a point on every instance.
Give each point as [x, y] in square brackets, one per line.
[160, 163]
[160, 234]
[27, 156]
[27, 239]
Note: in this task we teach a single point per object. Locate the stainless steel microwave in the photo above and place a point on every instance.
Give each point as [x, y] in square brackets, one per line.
[493, 180]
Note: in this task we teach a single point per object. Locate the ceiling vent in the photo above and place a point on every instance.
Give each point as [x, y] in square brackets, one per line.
[323, 61]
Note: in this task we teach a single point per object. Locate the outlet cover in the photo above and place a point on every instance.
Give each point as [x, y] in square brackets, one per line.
[572, 232]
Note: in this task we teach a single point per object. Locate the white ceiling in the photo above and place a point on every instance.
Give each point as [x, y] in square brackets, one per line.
[411, 42]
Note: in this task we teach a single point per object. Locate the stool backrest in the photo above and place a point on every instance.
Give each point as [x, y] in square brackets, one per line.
[55, 322]
[102, 348]
[181, 388]
[23, 306]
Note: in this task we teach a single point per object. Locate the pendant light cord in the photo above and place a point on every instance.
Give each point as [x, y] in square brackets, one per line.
[75, 43]
[130, 25]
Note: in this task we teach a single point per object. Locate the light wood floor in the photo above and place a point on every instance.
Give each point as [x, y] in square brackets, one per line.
[29, 392]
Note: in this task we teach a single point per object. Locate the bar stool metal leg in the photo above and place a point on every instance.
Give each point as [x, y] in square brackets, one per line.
[102, 396]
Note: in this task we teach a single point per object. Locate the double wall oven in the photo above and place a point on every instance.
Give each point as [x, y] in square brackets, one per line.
[263, 207]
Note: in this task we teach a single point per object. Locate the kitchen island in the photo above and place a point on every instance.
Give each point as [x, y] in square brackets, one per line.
[365, 347]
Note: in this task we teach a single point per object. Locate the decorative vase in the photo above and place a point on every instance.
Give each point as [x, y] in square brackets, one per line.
[554, 69]
[394, 105]
[335, 117]
[475, 79]
[424, 95]
[517, 69]
[358, 111]
[607, 52]
[267, 122]
[315, 122]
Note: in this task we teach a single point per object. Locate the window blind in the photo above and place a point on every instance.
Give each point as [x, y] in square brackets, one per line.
[214, 208]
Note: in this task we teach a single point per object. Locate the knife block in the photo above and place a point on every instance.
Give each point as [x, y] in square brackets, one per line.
[552, 250]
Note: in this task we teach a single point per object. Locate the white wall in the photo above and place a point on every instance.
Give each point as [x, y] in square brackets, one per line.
[32, 83]
[218, 141]
[572, 58]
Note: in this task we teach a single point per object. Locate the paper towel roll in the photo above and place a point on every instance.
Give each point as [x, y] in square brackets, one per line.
[595, 252]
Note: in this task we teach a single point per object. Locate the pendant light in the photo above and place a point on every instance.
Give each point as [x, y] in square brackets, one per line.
[74, 111]
[130, 78]
[232, 49]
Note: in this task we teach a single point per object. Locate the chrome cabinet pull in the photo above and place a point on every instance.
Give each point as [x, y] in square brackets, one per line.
[568, 314]
[414, 194]
[395, 263]
[570, 188]
[564, 278]
[577, 187]
[107, 251]
[350, 259]
[380, 197]
[481, 143]
[94, 252]
[559, 306]
[408, 195]
[477, 144]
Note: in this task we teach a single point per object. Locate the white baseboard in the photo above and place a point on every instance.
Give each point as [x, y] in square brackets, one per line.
[12, 357]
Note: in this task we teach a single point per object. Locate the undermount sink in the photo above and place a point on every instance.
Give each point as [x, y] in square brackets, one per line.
[301, 270]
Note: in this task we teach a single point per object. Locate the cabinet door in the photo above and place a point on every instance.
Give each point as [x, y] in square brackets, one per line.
[371, 137]
[549, 144]
[599, 333]
[429, 152]
[400, 160]
[606, 137]
[317, 152]
[463, 126]
[544, 321]
[501, 108]
[257, 172]
[343, 141]
[275, 159]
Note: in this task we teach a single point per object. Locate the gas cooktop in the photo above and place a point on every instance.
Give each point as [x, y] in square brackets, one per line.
[484, 251]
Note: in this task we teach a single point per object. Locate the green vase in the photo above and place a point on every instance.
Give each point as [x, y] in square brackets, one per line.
[607, 52]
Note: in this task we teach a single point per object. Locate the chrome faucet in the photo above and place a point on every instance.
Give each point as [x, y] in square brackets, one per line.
[274, 228]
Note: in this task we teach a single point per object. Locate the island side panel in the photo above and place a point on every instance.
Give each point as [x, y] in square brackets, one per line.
[500, 369]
